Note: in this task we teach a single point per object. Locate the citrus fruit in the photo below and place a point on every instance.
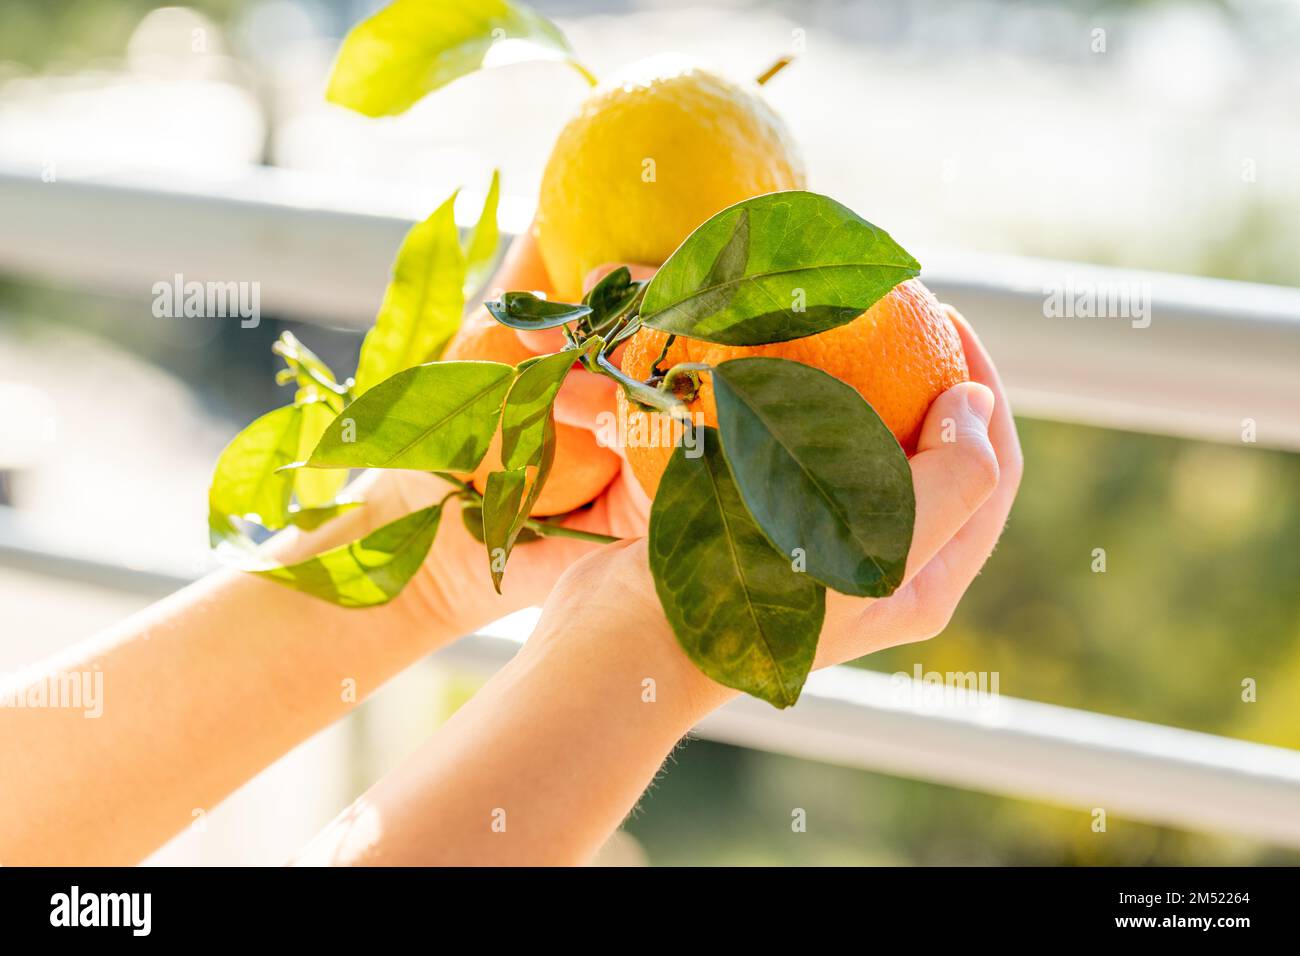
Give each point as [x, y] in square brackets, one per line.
[582, 467]
[900, 355]
[650, 155]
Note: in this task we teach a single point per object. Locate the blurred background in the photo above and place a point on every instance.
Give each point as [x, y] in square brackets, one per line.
[984, 126]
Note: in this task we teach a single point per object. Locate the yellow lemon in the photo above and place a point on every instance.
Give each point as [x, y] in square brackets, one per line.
[650, 155]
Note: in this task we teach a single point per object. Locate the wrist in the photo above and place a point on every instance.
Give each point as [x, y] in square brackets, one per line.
[422, 615]
[609, 620]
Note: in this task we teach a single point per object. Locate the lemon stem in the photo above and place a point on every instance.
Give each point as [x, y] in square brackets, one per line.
[774, 69]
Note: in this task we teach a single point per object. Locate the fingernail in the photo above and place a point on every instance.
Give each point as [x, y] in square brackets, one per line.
[980, 401]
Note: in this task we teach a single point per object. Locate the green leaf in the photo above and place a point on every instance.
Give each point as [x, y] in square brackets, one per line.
[435, 417]
[528, 406]
[471, 515]
[818, 470]
[413, 47]
[738, 608]
[245, 483]
[367, 572]
[523, 310]
[481, 248]
[295, 353]
[777, 267]
[424, 303]
[527, 441]
[315, 488]
[315, 379]
[502, 499]
[542, 462]
[611, 298]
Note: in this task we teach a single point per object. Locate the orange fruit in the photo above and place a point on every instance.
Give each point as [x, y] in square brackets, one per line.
[900, 355]
[582, 467]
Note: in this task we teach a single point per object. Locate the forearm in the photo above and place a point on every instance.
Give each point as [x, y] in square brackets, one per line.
[542, 765]
[199, 693]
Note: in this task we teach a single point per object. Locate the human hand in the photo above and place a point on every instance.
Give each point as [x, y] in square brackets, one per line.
[453, 584]
[565, 735]
[964, 491]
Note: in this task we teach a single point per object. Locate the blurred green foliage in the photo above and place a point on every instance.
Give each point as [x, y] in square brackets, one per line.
[53, 33]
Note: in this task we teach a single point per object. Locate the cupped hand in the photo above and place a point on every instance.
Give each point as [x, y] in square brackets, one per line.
[964, 490]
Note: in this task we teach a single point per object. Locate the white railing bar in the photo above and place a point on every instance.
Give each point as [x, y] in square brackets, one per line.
[1215, 354]
[887, 724]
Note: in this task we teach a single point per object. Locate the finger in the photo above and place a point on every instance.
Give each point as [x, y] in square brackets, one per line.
[954, 471]
[542, 341]
[521, 268]
[989, 521]
[923, 607]
[582, 399]
[1002, 427]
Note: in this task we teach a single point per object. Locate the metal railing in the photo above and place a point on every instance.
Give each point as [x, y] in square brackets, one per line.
[1215, 354]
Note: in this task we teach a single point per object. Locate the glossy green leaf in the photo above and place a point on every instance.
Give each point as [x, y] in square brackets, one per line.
[424, 303]
[611, 298]
[818, 470]
[412, 47]
[435, 417]
[527, 442]
[528, 407]
[530, 313]
[245, 483]
[777, 267]
[367, 572]
[315, 488]
[739, 609]
[481, 247]
[502, 499]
